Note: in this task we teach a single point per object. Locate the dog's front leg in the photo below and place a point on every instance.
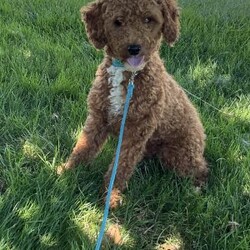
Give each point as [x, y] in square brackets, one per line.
[89, 143]
[133, 148]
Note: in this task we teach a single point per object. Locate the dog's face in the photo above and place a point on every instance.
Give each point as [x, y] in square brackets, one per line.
[131, 30]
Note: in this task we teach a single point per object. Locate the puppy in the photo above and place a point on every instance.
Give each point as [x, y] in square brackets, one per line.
[161, 120]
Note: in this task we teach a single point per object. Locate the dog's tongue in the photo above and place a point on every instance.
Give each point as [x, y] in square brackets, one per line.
[135, 61]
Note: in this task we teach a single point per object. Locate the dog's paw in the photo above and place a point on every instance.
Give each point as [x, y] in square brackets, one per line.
[62, 168]
[201, 178]
[70, 164]
[113, 234]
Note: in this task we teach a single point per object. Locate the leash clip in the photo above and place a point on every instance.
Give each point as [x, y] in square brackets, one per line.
[131, 84]
[132, 77]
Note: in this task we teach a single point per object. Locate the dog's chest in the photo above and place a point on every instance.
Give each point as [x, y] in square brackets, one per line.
[116, 100]
[117, 91]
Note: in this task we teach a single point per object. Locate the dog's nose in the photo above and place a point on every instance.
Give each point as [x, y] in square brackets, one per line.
[134, 49]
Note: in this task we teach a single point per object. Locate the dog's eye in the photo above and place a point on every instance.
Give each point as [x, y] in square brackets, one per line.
[148, 20]
[118, 23]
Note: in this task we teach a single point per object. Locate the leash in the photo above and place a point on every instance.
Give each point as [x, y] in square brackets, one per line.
[117, 156]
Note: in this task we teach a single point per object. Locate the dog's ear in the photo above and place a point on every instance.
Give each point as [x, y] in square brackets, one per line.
[92, 17]
[171, 26]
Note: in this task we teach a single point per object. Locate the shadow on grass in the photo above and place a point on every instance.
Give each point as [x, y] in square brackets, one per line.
[37, 215]
[44, 211]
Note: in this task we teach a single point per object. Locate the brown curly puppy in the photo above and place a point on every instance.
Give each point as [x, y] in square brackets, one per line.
[161, 120]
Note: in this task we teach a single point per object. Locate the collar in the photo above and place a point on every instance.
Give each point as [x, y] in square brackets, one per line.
[117, 63]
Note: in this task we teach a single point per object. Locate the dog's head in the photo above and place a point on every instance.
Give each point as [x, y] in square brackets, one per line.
[131, 30]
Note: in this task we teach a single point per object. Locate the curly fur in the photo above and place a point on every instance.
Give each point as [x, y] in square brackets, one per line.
[161, 120]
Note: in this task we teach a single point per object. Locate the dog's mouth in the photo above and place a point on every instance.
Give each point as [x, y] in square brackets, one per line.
[136, 61]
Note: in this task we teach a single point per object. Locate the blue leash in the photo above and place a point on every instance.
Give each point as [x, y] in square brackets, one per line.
[117, 156]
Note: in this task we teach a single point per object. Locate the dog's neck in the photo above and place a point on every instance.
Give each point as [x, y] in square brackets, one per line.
[116, 77]
[118, 73]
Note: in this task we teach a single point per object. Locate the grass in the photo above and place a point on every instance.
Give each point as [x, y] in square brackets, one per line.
[46, 69]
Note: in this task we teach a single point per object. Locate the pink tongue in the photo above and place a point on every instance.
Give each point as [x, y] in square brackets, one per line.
[135, 61]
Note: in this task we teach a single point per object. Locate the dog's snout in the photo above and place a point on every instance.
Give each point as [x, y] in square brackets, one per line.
[134, 49]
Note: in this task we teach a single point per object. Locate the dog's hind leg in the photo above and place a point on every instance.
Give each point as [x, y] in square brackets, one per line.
[186, 158]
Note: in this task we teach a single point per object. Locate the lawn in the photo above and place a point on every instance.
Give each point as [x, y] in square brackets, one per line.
[46, 69]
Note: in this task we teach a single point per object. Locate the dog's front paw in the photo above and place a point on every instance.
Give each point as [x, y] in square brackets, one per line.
[61, 169]
[113, 234]
[64, 167]
[71, 163]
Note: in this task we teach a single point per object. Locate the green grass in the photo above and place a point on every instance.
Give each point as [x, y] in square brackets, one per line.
[46, 69]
